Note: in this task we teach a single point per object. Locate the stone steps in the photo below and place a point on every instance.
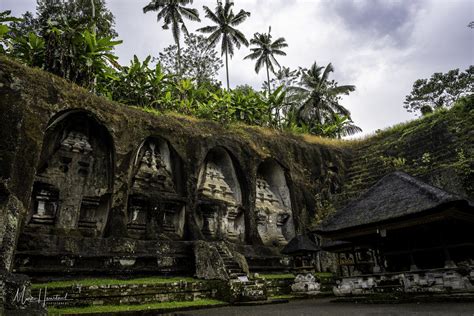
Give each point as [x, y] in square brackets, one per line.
[232, 267]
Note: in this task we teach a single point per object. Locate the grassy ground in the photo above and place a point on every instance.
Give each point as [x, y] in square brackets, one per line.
[104, 281]
[127, 308]
[278, 276]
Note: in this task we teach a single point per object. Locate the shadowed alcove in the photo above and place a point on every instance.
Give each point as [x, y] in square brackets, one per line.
[73, 182]
[219, 213]
[273, 205]
[156, 204]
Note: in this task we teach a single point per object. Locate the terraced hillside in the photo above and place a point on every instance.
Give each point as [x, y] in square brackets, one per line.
[438, 149]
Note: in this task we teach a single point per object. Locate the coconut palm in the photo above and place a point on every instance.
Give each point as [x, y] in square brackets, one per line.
[339, 126]
[264, 52]
[172, 13]
[225, 21]
[319, 97]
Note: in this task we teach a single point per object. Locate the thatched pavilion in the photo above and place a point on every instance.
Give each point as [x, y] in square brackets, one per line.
[402, 224]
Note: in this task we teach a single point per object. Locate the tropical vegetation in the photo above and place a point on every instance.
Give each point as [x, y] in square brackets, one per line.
[172, 13]
[265, 51]
[225, 30]
[76, 39]
[441, 90]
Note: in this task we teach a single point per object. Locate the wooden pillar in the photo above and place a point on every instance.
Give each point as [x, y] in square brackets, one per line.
[448, 263]
[339, 267]
[356, 265]
[376, 268]
[413, 266]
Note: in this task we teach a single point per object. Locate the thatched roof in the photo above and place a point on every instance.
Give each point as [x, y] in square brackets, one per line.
[299, 244]
[394, 196]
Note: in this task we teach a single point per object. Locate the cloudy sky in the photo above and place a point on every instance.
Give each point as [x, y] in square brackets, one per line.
[381, 46]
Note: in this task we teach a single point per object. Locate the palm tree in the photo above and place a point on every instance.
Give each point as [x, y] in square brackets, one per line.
[339, 126]
[172, 13]
[265, 51]
[319, 97]
[225, 21]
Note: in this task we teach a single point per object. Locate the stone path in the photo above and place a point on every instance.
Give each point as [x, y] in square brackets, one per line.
[323, 307]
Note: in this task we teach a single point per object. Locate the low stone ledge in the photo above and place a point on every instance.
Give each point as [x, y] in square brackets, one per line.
[110, 294]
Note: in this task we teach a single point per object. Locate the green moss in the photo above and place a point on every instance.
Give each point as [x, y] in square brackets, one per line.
[421, 148]
[278, 276]
[129, 308]
[323, 274]
[100, 281]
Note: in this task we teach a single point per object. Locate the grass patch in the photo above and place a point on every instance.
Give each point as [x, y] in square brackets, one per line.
[127, 308]
[99, 281]
[323, 274]
[278, 276]
[147, 109]
[282, 297]
[333, 142]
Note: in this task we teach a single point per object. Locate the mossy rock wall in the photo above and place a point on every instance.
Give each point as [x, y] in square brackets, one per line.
[115, 294]
[438, 149]
[321, 175]
[32, 99]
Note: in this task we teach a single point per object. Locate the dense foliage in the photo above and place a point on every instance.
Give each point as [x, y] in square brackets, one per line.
[199, 60]
[75, 39]
[67, 39]
[441, 90]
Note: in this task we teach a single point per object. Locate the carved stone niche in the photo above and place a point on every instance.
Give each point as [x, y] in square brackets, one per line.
[46, 198]
[73, 183]
[273, 205]
[172, 219]
[153, 168]
[137, 217]
[219, 213]
[156, 205]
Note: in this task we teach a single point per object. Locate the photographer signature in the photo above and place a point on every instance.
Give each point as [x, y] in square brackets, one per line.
[22, 297]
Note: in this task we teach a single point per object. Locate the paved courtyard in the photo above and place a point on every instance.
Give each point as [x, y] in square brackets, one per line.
[325, 307]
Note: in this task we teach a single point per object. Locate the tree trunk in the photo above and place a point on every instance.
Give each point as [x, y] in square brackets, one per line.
[178, 71]
[93, 17]
[268, 79]
[268, 84]
[94, 28]
[227, 69]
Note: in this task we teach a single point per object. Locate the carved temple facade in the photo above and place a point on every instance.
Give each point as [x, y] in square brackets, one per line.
[88, 186]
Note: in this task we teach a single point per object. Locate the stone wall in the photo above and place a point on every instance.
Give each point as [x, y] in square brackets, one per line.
[118, 294]
[85, 181]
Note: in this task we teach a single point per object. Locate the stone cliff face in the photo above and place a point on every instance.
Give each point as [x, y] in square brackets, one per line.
[88, 185]
[84, 177]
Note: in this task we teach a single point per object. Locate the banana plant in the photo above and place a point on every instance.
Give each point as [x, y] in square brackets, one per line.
[30, 50]
[5, 37]
[274, 102]
[97, 55]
